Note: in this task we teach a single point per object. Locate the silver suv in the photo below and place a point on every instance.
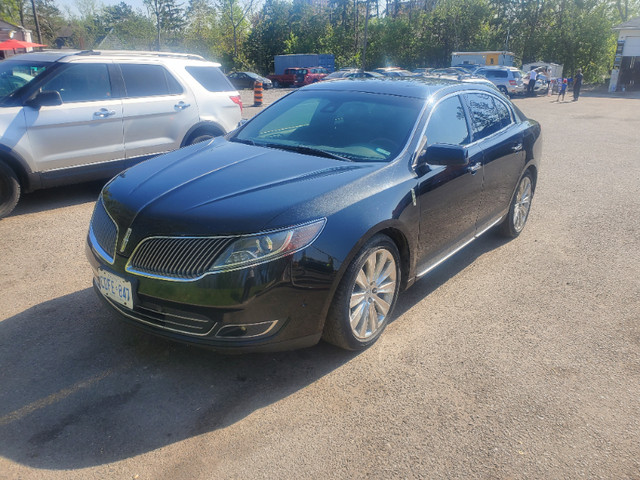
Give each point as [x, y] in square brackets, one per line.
[69, 117]
[507, 79]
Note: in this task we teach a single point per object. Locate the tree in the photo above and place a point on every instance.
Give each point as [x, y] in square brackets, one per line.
[234, 22]
[169, 20]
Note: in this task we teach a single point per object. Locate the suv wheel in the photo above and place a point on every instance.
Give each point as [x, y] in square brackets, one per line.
[504, 91]
[9, 190]
[200, 138]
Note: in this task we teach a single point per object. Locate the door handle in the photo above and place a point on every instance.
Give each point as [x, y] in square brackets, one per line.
[181, 105]
[516, 148]
[104, 113]
[475, 167]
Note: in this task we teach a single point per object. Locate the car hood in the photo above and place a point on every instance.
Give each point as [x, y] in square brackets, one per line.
[224, 188]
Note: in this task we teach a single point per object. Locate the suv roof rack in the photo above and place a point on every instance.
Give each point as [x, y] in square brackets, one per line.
[189, 56]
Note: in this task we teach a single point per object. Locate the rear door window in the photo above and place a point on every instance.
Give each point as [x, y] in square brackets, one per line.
[484, 114]
[148, 80]
[212, 79]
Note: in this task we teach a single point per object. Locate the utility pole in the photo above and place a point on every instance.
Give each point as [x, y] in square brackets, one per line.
[364, 46]
[35, 19]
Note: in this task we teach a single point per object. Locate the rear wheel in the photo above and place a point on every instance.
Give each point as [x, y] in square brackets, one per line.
[504, 91]
[9, 190]
[276, 84]
[200, 138]
[365, 297]
[518, 214]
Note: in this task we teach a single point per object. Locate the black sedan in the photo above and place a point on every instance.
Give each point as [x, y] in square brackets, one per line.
[248, 79]
[308, 221]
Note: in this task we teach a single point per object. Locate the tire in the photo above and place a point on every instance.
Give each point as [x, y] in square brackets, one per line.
[520, 207]
[276, 84]
[503, 90]
[9, 190]
[200, 138]
[361, 309]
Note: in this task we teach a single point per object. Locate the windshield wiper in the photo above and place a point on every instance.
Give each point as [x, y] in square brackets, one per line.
[240, 140]
[305, 150]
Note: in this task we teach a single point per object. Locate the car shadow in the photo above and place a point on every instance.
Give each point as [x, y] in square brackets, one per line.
[80, 388]
[58, 197]
[447, 270]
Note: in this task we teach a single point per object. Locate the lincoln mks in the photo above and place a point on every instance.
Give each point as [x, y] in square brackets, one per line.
[306, 222]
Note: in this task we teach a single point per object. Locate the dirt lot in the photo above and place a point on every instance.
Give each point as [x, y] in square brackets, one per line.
[516, 359]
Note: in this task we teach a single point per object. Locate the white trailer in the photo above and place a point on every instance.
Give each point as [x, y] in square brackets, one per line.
[554, 70]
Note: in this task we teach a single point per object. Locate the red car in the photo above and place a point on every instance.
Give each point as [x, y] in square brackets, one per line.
[305, 76]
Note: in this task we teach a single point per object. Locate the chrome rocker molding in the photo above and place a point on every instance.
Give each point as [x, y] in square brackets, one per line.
[452, 253]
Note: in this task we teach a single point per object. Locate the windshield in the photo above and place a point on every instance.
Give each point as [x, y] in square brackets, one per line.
[351, 125]
[16, 74]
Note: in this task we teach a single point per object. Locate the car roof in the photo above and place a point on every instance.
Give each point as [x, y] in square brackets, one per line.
[418, 87]
[62, 55]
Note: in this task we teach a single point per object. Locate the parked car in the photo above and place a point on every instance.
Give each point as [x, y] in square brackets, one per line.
[339, 74]
[286, 79]
[306, 76]
[448, 71]
[307, 221]
[508, 79]
[78, 116]
[361, 74]
[248, 80]
[393, 72]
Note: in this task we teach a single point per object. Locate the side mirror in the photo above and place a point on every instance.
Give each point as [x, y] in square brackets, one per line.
[49, 98]
[443, 154]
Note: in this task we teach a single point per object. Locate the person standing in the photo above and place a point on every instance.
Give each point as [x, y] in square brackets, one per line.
[562, 89]
[577, 85]
[532, 82]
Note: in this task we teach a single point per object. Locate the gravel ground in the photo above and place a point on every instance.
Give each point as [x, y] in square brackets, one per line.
[515, 359]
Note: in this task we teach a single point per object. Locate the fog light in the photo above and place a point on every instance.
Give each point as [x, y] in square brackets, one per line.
[246, 330]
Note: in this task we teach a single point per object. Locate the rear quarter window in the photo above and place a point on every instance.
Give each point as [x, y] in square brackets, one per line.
[211, 78]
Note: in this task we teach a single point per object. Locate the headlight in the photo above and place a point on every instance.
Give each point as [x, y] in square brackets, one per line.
[265, 247]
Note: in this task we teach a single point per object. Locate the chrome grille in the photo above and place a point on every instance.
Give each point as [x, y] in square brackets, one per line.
[104, 230]
[176, 257]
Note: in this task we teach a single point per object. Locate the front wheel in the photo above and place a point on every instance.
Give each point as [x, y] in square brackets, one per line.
[365, 297]
[518, 214]
[9, 190]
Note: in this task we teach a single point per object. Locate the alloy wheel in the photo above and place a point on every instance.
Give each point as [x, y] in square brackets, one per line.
[522, 204]
[373, 294]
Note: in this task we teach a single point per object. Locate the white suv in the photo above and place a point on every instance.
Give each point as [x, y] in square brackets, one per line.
[507, 79]
[68, 117]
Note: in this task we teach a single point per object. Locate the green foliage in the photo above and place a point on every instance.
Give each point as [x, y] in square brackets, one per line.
[408, 33]
[10, 11]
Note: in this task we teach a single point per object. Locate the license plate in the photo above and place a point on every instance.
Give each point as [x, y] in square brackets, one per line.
[116, 288]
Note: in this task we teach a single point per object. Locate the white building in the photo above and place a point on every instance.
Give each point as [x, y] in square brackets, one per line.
[626, 66]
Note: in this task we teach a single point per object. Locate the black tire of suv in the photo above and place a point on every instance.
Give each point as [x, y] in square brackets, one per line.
[9, 190]
[200, 138]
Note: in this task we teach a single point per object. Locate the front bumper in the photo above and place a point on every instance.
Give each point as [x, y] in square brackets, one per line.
[279, 305]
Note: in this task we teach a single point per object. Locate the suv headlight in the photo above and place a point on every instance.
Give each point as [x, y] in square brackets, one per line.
[265, 247]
